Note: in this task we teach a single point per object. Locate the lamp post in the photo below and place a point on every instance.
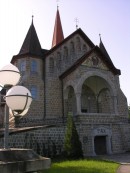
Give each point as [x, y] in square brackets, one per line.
[18, 98]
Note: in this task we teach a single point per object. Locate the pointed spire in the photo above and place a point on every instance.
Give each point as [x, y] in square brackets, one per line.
[100, 38]
[103, 49]
[32, 19]
[58, 35]
[31, 44]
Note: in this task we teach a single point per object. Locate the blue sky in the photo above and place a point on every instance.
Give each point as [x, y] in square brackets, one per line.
[110, 18]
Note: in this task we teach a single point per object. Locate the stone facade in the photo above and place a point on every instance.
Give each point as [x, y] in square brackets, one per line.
[78, 77]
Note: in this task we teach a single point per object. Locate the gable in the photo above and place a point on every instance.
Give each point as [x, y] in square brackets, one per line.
[65, 55]
[78, 32]
[93, 58]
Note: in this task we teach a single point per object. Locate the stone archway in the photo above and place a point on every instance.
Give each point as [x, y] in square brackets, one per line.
[70, 101]
[101, 141]
[96, 96]
[92, 102]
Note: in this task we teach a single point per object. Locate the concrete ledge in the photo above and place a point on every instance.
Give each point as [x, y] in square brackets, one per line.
[22, 161]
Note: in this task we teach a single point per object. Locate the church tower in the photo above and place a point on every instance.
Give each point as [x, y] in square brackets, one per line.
[30, 61]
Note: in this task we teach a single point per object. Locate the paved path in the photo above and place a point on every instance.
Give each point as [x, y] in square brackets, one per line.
[124, 169]
[123, 159]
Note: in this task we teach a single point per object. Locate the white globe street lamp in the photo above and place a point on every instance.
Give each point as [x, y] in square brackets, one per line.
[18, 98]
[9, 75]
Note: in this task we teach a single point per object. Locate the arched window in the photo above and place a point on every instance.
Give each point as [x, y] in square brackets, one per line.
[23, 66]
[88, 100]
[33, 91]
[72, 49]
[78, 44]
[58, 61]
[66, 54]
[70, 104]
[84, 48]
[33, 66]
[104, 101]
[51, 65]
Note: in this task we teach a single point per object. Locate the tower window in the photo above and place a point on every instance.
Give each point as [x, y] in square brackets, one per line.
[23, 66]
[33, 66]
[33, 91]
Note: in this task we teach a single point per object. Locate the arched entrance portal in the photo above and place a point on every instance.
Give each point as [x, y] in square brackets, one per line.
[101, 141]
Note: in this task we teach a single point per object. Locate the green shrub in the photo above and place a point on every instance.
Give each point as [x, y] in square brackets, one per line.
[72, 144]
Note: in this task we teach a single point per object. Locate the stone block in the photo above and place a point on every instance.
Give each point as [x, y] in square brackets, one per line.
[22, 161]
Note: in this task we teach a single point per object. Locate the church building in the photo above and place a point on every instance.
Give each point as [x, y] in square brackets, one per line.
[74, 76]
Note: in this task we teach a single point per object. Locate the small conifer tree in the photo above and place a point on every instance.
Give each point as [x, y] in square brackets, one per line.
[72, 144]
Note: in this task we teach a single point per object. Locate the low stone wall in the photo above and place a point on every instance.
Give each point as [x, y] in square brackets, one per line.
[49, 141]
[45, 141]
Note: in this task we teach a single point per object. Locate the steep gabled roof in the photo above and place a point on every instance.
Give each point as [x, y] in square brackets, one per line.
[31, 44]
[96, 49]
[58, 35]
[78, 31]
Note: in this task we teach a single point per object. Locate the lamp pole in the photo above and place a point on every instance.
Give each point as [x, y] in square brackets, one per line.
[6, 123]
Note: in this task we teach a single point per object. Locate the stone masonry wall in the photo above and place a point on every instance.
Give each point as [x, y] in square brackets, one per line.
[122, 104]
[49, 141]
[56, 63]
[46, 142]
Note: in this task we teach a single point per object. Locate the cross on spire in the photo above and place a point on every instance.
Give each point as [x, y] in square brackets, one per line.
[100, 37]
[32, 18]
[57, 4]
[76, 22]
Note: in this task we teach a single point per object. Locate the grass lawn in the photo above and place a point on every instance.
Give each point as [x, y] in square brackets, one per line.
[83, 166]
